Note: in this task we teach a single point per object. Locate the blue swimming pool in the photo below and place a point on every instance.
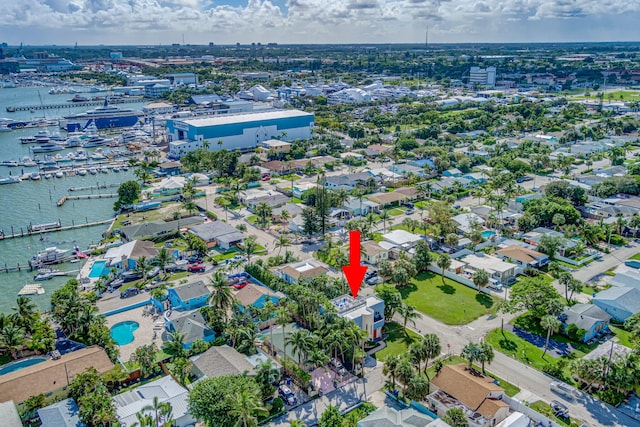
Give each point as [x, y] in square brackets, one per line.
[487, 234]
[98, 269]
[16, 366]
[122, 333]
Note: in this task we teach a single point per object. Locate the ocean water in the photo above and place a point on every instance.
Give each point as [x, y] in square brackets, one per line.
[34, 202]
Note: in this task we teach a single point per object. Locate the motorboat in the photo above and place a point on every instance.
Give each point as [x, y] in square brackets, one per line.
[104, 170]
[98, 155]
[35, 176]
[73, 141]
[9, 180]
[82, 172]
[93, 171]
[104, 117]
[50, 255]
[48, 176]
[9, 163]
[95, 141]
[46, 148]
[59, 174]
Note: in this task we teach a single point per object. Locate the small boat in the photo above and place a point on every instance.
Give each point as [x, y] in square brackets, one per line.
[93, 171]
[31, 290]
[43, 276]
[82, 172]
[104, 170]
[10, 180]
[95, 141]
[45, 270]
[48, 176]
[125, 168]
[35, 176]
[5, 128]
[9, 163]
[78, 98]
[59, 174]
[116, 169]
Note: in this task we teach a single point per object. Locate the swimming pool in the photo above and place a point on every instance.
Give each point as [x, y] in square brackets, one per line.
[122, 333]
[98, 269]
[16, 366]
[487, 234]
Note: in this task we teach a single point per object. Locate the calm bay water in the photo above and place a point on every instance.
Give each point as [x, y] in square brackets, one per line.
[35, 201]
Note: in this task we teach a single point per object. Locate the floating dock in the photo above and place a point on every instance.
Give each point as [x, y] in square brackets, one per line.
[31, 290]
[22, 233]
[63, 199]
[14, 108]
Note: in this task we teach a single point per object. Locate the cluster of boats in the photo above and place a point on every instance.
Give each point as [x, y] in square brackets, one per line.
[48, 143]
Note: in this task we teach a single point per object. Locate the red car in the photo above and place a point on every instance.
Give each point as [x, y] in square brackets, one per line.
[239, 285]
[196, 267]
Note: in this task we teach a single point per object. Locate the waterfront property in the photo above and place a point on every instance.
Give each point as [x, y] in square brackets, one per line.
[238, 131]
[51, 375]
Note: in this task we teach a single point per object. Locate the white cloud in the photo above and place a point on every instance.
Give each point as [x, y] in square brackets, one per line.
[312, 21]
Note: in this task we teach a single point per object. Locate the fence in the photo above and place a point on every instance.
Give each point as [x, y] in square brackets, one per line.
[516, 405]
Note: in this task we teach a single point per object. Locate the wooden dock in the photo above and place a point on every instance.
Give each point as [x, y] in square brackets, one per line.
[94, 187]
[27, 233]
[63, 199]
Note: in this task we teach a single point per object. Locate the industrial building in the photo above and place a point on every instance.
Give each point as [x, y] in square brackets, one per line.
[238, 131]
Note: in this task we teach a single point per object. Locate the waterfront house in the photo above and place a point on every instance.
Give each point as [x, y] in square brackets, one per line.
[366, 312]
[457, 386]
[153, 229]
[165, 390]
[51, 375]
[619, 302]
[60, 414]
[169, 168]
[591, 318]
[125, 257]
[188, 296]
[218, 234]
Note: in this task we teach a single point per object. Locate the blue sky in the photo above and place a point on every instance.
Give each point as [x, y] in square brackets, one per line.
[316, 21]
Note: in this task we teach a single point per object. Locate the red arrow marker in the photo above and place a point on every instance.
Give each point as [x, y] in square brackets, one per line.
[354, 272]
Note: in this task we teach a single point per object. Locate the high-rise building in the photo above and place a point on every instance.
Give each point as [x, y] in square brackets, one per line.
[482, 76]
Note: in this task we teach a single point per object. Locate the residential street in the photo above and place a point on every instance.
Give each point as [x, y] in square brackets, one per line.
[607, 261]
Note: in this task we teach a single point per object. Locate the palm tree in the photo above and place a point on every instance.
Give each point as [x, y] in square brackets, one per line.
[285, 216]
[282, 242]
[444, 262]
[390, 368]
[11, 338]
[157, 408]
[250, 247]
[300, 342]
[162, 259]
[471, 352]
[220, 297]
[246, 406]
[431, 347]
[263, 211]
[408, 314]
[455, 417]
[480, 279]
[317, 358]
[224, 202]
[175, 345]
[282, 318]
[335, 341]
[25, 313]
[384, 216]
[485, 354]
[551, 324]
[142, 266]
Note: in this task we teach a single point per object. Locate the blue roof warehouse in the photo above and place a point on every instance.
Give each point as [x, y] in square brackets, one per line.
[238, 131]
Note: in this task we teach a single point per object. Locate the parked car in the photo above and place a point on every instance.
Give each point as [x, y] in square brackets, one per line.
[130, 276]
[196, 267]
[559, 409]
[337, 365]
[408, 205]
[409, 211]
[374, 280]
[239, 285]
[287, 395]
[116, 284]
[129, 292]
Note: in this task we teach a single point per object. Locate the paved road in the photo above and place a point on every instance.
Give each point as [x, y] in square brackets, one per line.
[607, 261]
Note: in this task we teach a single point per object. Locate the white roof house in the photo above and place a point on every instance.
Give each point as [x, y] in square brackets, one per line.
[401, 238]
[465, 221]
[498, 270]
[166, 389]
[628, 278]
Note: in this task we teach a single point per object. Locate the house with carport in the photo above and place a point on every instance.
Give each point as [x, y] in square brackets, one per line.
[218, 234]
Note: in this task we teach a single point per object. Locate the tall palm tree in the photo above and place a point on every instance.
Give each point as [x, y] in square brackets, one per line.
[157, 408]
[283, 318]
[263, 211]
[384, 216]
[300, 342]
[335, 341]
[220, 297]
[431, 346]
[282, 242]
[250, 247]
[12, 338]
[175, 344]
[246, 406]
[551, 324]
[408, 314]
[390, 368]
[444, 262]
[142, 266]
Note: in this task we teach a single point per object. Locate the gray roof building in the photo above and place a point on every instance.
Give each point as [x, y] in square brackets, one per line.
[192, 290]
[585, 316]
[192, 325]
[61, 414]
[157, 228]
[389, 417]
[9, 415]
[220, 361]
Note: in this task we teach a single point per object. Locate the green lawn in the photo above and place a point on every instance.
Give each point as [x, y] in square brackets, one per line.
[396, 211]
[398, 341]
[545, 409]
[421, 204]
[529, 323]
[624, 337]
[296, 200]
[636, 257]
[522, 350]
[449, 301]
[376, 236]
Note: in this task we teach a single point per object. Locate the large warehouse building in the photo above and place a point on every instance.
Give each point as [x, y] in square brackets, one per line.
[239, 131]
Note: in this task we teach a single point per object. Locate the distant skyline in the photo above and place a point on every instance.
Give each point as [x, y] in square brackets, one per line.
[153, 22]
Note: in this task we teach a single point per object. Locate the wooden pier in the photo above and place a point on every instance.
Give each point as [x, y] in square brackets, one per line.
[14, 108]
[94, 187]
[63, 199]
[22, 233]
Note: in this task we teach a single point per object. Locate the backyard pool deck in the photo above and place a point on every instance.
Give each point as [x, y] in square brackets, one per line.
[143, 335]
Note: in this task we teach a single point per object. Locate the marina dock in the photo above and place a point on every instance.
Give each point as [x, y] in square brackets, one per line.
[22, 233]
[94, 187]
[14, 108]
[63, 199]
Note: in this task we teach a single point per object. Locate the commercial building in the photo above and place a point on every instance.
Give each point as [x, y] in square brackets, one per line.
[482, 76]
[237, 132]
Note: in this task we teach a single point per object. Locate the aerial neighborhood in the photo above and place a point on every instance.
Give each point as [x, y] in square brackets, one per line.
[495, 193]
